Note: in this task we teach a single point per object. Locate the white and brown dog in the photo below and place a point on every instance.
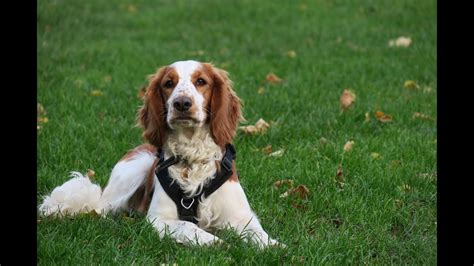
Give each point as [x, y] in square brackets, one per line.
[185, 179]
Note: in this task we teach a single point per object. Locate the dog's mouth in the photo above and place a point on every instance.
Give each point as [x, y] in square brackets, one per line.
[184, 120]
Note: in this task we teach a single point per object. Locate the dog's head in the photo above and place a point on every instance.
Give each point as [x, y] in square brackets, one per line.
[189, 94]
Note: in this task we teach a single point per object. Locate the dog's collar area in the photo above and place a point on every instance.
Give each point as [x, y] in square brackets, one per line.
[187, 207]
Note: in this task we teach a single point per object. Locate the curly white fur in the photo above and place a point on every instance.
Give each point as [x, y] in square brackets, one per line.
[77, 195]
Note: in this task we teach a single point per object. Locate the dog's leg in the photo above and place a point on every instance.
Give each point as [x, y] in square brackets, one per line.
[126, 178]
[183, 232]
[163, 215]
[230, 200]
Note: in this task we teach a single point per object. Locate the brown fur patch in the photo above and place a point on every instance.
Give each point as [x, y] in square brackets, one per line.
[132, 153]
[225, 107]
[152, 115]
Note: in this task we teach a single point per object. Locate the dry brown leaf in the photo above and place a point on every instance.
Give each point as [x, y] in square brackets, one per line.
[251, 130]
[279, 183]
[410, 84]
[291, 54]
[90, 173]
[347, 99]
[421, 116]
[261, 90]
[348, 146]
[261, 124]
[300, 191]
[272, 78]
[267, 149]
[382, 117]
[97, 93]
[260, 127]
[400, 42]
[277, 153]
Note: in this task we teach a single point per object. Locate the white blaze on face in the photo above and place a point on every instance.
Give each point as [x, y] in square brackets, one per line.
[185, 87]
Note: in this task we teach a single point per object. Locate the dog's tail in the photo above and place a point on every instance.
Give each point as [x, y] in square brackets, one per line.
[77, 195]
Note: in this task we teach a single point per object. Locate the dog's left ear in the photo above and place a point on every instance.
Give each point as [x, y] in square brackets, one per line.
[225, 108]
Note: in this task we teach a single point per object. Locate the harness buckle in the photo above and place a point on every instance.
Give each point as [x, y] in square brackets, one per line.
[189, 206]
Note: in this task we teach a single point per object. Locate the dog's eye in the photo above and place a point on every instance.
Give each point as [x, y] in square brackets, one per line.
[200, 82]
[169, 84]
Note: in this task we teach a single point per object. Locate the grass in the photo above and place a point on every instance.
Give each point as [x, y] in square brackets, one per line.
[386, 211]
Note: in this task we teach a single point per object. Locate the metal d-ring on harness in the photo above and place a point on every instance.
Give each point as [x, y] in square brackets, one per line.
[187, 207]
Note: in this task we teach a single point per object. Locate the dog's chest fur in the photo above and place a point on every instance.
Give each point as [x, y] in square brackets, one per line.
[200, 155]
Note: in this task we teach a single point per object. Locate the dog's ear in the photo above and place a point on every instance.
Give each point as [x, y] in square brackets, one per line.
[225, 108]
[152, 115]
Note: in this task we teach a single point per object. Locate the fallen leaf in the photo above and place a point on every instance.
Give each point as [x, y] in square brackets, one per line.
[267, 149]
[40, 109]
[400, 42]
[272, 78]
[260, 127]
[421, 116]
[277, 153]
[382, 117]
[367, 117]
[279, 183]
[261, 124]
[261, 90]
[251, 130]
[410, 84]
[97, 93]
[42, 120]
[348, 146]
[108, 78]
[347, 99]
[300, 191]
[291, 54]
[90, 173]
[323, 140]
[375, 155]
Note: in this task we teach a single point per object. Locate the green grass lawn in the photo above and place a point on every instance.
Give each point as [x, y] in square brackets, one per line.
[94, 56]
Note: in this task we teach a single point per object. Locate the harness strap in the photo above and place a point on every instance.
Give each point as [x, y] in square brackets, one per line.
[187, 206]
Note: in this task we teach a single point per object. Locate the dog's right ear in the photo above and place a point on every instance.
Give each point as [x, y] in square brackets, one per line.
[152, 115]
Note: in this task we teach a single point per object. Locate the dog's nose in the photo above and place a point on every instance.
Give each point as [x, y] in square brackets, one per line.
[182, 103]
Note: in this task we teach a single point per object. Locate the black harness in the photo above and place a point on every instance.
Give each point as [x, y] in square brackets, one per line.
[187, 207]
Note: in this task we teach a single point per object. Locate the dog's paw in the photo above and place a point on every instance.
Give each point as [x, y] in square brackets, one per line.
[274, 243]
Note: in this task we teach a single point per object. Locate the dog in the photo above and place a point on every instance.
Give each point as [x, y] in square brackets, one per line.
[185, 177]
